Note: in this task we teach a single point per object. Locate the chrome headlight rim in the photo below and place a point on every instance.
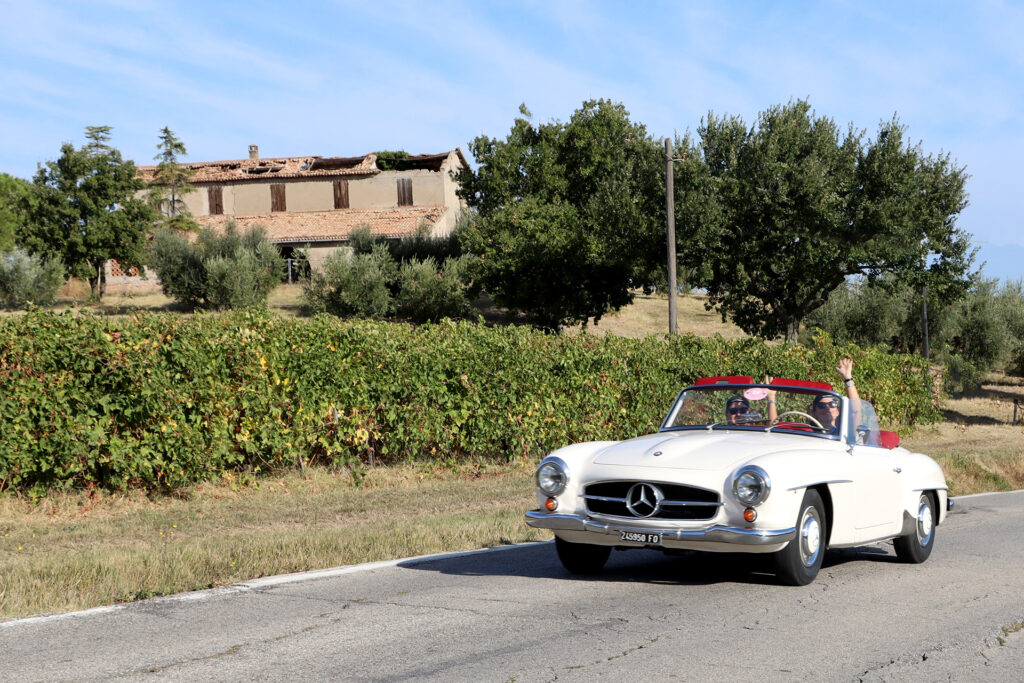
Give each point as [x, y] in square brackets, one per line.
[564, 475]
[765, 486]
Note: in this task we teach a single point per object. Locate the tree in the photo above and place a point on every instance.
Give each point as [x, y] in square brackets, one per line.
[171, 182]
[14, 194]
[569, 215]
[85, 210]
[774, 218]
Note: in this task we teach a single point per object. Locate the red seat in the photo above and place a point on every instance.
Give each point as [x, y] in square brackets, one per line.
[888, 440]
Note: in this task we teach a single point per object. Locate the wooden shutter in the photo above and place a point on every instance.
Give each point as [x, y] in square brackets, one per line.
[277, 197]
[405, 191]
[216, 197]
[340, 194]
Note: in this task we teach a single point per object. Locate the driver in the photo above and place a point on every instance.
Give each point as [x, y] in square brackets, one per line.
[825, 409]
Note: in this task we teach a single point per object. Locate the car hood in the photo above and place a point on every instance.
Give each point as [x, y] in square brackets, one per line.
[702, 450]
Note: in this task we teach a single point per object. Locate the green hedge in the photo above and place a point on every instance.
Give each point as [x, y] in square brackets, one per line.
[160, 401]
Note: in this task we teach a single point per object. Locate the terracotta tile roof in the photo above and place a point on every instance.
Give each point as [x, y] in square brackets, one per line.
[329, 226]
[267, 169]
[235, 170]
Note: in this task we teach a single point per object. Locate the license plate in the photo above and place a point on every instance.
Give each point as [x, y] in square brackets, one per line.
[640, 537]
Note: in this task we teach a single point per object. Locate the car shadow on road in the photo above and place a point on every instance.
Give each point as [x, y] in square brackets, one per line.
[539, 561]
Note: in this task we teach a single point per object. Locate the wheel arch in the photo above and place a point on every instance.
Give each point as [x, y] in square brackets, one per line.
[826, 499]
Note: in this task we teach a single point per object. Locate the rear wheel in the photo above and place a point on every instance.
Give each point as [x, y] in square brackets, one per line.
[582, 558]
[798, 563]
[916, 547]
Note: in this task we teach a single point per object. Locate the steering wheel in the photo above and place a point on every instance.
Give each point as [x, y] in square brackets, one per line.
[810, 420]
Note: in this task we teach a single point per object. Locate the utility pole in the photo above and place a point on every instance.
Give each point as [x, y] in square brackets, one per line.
[924, 318]
[670, 211]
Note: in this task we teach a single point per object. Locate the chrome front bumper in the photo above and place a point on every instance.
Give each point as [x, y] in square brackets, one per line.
[716, 534]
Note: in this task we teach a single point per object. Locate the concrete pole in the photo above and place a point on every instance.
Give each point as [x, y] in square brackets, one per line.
[670, 211]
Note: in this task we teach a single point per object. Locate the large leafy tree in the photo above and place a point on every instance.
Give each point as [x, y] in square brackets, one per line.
[85, 210]
[14, 194]
[569, 215]
[773, 218]
[171, 182]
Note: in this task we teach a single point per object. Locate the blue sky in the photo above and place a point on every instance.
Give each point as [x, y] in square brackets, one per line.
[345, 78]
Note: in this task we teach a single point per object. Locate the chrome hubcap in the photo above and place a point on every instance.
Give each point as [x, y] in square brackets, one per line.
[924, 521]
[810, 537]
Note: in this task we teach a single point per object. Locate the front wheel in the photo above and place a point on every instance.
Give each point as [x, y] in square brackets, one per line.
[798, 563]
[582, 558]
[915, 548]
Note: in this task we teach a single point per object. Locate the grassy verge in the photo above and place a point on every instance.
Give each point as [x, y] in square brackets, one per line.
[76, 551]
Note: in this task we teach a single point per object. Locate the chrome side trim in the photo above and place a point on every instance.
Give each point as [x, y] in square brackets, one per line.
[715, 534]
[815, 483]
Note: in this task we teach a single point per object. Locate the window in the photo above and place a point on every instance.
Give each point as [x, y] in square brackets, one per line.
[216, 197]
[277, 197]
[405, 191]
[340, 194]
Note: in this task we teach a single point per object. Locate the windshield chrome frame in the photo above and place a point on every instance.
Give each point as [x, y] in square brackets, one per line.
[677, 404]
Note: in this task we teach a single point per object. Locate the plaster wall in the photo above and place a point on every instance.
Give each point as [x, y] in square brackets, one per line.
[382, 190]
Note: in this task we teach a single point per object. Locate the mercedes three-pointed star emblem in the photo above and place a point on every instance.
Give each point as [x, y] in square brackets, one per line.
[644, 500]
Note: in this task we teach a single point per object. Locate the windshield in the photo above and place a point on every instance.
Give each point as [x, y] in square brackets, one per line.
[758, 407]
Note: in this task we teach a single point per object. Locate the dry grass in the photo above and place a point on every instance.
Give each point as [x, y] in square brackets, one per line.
[977, 446]
[648, 314]
[73, 551]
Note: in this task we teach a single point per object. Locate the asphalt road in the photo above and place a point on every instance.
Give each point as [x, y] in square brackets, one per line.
[515, 615]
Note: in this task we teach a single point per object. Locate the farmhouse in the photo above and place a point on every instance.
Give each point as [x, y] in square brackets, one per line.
[318, 201]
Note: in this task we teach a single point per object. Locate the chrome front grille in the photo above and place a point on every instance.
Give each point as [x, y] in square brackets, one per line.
[678, 501]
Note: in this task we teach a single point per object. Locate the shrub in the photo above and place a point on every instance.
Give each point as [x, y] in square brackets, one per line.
[245, 278]
[160, 401]
[427, 293]
[361, 239]
[179, 265]
[28, 280]
[219, 270]
[423, 245]
[352, 285]
[419, 247]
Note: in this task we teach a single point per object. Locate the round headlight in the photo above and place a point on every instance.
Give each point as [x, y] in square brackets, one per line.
[552, 476]
[751, 485]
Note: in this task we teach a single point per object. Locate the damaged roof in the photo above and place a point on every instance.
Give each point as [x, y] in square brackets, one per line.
[334, 226]
[257, 169]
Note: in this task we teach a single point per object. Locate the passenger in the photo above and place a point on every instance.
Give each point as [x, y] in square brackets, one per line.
[773, 408]
[736, 407]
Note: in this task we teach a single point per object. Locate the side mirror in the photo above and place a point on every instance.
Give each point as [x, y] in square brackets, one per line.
[862, 434]
[889, 440]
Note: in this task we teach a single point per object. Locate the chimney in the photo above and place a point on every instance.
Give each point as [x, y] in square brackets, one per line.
[254, 151]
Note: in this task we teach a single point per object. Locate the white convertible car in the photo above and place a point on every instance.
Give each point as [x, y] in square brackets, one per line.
[789, 468]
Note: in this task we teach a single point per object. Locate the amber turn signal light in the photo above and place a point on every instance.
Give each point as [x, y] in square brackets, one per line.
[551, 504]
[750, 514]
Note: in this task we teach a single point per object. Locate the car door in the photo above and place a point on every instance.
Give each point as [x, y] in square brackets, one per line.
[877, 483]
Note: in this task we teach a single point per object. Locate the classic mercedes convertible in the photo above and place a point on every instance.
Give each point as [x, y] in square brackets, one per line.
[789, 468]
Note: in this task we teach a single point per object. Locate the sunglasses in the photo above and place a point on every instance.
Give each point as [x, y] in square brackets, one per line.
[826, 404]
[737, 410]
